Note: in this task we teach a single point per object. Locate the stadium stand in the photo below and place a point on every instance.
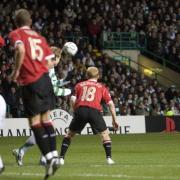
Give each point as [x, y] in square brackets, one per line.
[59, 21]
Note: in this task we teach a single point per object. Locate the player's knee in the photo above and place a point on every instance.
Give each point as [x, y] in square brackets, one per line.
[35, 120]
[70, 134]
[31, 140]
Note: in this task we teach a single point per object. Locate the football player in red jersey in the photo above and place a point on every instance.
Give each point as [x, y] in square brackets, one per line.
[32, 54]
[87, 109]
[58, 91]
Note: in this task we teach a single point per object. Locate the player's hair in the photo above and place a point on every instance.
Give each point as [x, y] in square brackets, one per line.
[22, 17]
[56, 51]
[92, 72]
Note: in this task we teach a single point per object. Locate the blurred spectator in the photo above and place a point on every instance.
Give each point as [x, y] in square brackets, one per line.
[132, 92]
[12, 101]
[140, 109]
[94, 30]
[170, 93]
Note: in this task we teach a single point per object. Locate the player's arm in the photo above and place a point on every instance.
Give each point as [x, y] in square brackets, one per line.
[113, 114]
[19, 58]
[74, 97]
[72, 101]
[110, 103]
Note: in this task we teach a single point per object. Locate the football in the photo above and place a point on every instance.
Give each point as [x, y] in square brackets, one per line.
[70, 48]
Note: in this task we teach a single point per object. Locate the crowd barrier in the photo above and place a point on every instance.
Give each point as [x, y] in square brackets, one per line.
[162, 123]
[128, 124]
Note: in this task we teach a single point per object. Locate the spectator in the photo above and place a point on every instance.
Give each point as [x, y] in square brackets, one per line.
[170, 93]
[158, 20]
[94, 30]
[12, 101]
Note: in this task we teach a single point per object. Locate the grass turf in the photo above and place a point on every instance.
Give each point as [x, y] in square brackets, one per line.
[137, 157]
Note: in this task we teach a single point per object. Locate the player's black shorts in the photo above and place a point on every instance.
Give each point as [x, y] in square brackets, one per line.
[84, 115]
[38, 97]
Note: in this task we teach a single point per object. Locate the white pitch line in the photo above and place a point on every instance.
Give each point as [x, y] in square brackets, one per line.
[22, 174]
[128, 176]
[124, 176]
[121, 165]
[144, 165]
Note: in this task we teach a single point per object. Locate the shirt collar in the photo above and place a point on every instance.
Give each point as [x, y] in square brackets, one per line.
[92, 80]
[25, 27]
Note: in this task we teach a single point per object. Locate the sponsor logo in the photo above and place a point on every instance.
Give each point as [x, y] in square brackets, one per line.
[59, 114]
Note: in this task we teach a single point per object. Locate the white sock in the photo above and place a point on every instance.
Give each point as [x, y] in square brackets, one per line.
[1, 163]
[43, 159]
[49, 156]
[55, 154]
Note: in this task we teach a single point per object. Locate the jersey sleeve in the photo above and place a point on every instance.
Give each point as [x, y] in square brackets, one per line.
[106, 96]
[15, 38]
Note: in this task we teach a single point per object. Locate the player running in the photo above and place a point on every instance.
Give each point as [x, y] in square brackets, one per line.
[87, 109]
[32, 54]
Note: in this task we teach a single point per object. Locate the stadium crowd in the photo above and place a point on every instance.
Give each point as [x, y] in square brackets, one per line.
[133, 93]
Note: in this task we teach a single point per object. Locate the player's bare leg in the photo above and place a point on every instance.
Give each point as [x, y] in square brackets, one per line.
[65, 145]
[107, 145]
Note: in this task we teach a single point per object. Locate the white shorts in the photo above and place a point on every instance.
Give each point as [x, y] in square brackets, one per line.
[2, 111]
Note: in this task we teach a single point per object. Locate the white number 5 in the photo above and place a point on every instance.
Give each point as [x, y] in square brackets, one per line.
[36, 49]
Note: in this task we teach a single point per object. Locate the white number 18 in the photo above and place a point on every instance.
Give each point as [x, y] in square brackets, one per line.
[88, 93]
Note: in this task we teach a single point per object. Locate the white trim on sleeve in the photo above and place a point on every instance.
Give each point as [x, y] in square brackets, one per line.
[110, 102]
[18, 42]
[49, 56]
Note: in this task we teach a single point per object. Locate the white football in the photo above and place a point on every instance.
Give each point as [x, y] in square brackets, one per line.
[70, 48]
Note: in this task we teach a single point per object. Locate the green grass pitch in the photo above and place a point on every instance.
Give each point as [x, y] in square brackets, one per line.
[137, 157]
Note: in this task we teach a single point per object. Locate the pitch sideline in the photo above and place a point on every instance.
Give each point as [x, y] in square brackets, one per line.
[94, 175]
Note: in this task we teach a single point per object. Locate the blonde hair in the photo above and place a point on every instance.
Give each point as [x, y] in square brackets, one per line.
[56, 51]
[92, 72]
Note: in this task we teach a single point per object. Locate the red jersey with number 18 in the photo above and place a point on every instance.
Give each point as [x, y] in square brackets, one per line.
[37, 52]
[90, 93]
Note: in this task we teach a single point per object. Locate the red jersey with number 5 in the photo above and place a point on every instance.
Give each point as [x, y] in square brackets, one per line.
[37, 52]
[90, 93]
